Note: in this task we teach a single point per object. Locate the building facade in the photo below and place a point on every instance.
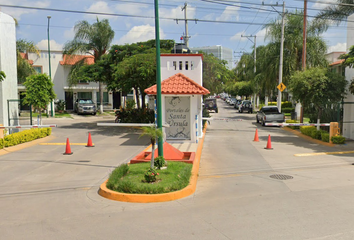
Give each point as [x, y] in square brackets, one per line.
[219, 52]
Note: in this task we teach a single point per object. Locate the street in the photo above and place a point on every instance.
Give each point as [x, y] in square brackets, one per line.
[47, 195]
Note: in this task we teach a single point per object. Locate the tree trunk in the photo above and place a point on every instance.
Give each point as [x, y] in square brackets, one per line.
[100, 89]
[137, 97]
[143, 105]
[152, 154]
[319, 118]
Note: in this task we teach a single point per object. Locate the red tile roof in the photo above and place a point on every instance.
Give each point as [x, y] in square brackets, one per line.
[178, 84]
[25, 56]
[337, 62]
[73, 59]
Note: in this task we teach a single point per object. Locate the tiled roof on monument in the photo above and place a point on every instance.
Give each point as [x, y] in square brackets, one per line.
[178, 84]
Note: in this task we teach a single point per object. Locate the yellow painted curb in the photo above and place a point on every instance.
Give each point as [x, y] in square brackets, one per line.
[164, 197]
[308, 137]
[73, 144]
[21, 146]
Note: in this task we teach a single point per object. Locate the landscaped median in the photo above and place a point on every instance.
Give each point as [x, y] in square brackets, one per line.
[164, 197]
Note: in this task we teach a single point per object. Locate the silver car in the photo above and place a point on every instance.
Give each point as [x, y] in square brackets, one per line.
[85, 106]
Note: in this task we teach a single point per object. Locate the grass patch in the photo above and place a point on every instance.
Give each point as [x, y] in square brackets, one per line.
[63, 115]
[130, 179]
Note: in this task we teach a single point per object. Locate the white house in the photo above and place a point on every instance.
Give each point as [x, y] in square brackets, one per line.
[60, 69]
[8, 64]
[348, 108]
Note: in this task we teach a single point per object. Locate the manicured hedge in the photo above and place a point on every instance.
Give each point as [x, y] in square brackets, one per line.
[287, 110]
[321, 134]
[24, 136]
[292, 121]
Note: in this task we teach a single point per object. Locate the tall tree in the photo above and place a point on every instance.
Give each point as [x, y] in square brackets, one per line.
[24, 68]
[39, 91]
[94, 39]
[215, 73]
[318, 86]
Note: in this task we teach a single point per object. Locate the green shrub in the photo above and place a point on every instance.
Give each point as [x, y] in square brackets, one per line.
[286, 104]
[159, 162]
[24, 136]
[338, 139]
[316, 134]
[325, 136]
[116, 175]
[307, 130]
[287, 110]
[150, 175]
[136, 115]
[292, 121]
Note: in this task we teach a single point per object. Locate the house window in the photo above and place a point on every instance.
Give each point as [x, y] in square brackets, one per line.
[105, 98]
[175, 65]
[84, 95]
[180, 65]
[38, 69]
[192, 65]
[186, 65]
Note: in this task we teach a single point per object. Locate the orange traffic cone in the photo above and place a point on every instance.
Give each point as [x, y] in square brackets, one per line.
[256, 139]
[89, 142]
[269, 143]
[68, 149]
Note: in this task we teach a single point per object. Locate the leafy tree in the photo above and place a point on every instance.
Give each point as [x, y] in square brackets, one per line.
[154, 133]
[2, 76]
[244, 88]
[39, 91]
[24, 68]
[215, 73]
[317, 86]
[349, 62]
[93, 39]
[138, 72]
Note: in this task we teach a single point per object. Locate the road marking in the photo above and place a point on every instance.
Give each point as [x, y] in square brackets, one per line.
[321, 153]
[76, 144]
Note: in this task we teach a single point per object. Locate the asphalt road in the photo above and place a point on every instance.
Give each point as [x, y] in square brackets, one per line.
[46, 195]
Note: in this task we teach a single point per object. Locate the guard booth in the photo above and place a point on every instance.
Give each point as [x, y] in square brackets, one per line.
[181, 107]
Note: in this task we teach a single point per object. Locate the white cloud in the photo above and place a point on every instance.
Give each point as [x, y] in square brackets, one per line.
[101, 7]
[230, 13]
[139, 34]
[237, 36]
[339, 47]
[69, 34]
[320, 4]
[18, 12]
[132, 9]
[43, 45]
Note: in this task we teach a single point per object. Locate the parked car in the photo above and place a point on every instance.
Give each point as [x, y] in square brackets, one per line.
[269, 114]
[210, 104]
[82, 106]
[245, 106]
[237, 104]
[232, 101]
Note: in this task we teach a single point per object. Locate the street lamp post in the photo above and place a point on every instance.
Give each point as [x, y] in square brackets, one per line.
[50, 68]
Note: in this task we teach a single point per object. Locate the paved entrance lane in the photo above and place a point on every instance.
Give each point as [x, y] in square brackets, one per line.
[235, 197]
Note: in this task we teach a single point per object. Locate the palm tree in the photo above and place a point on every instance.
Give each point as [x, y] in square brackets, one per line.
[336, 12]
[154, 133]
[93, 39]
[2, 76]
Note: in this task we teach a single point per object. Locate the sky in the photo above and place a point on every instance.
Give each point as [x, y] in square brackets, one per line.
[215, 22]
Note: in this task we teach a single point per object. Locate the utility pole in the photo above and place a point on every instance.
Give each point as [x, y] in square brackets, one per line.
[281, 50]
[186, 36]
[255, 47]
[304, 54]
[50, 67]
[281, 57]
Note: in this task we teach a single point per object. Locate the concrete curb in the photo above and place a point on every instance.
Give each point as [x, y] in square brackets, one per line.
[308, 137]
[149, 198]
